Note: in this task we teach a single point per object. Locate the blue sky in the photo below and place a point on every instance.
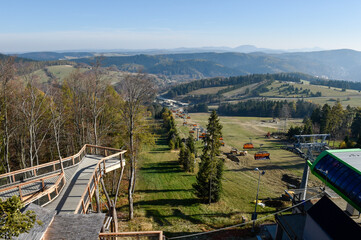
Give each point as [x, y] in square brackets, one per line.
[65, 25]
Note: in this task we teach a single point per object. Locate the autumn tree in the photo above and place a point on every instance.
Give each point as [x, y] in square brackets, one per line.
[7, 73]
[136, 91]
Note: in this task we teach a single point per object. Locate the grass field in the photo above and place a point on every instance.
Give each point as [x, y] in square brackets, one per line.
[164, 197]
[325, 91]
[203, 91]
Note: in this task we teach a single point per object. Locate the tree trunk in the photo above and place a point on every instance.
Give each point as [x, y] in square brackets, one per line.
[130, 191]
[119, 181]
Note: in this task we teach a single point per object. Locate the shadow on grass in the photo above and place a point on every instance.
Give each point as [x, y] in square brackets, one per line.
[178, 213]
[270, 167]
[162, 167]
[170, 202]
[163, 190]
[157, 217]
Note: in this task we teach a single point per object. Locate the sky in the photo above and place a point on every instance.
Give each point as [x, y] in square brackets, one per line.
[39, 25]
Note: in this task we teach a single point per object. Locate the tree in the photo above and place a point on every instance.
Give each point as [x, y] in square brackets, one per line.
[307, 127]
[356, 125]
[325, 119]
[7, 73]
[209, 178]
[12, 221]
[182, 153]
[190, 143]
[336, 119]
[188, 162]
[136, 91]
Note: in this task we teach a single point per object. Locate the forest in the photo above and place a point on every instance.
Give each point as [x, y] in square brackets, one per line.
[41, 122]
[268, 108]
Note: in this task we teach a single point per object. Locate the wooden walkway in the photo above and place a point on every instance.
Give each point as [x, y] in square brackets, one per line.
[80, 180]
[77, 178]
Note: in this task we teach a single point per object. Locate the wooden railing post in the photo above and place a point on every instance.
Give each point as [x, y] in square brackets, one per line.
[20, 194]
[83, 205]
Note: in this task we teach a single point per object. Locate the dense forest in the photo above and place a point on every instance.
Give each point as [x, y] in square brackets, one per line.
[340, 123]
[267, 108]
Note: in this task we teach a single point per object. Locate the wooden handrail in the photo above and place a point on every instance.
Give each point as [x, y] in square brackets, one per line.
[43, 165]
[57, 161]
[49, 190]
[97, 176]
[158, 234]
[19, 186]
[29, 182]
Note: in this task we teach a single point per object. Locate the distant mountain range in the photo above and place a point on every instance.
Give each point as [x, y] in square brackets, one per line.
[333, 64]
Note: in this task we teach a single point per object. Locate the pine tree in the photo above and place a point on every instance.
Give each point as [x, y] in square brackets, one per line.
[181, 154]
[209, 178]
[190, 143]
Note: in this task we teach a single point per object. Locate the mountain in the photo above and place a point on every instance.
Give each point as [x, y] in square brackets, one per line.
[333, 64]
[342, 64]
[53, 56]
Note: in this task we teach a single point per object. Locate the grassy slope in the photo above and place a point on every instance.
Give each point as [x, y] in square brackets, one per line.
[326, 92]
[165, 200]
[203, 91]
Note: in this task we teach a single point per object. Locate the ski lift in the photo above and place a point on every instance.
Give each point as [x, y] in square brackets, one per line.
[261, 155]
[248, 145]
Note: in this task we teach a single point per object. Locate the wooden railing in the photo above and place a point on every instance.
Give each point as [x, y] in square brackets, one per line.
[137, 235]
[42, 188]
[42, 169]
[98, 172]
[20, 179]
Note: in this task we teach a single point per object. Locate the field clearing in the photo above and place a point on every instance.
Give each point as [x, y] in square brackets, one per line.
[240, 91]
[325, 91]
[204, 91]
[354, 101]
[164, 196]
[62, 71]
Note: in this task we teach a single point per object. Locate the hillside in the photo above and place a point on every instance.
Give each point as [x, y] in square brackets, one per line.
[332, 64]
[276, 87]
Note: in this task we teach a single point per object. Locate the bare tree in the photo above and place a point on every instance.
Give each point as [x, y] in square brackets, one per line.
[96, 93]
[136, 90]
[7, 73]
[34, 108]
[57, 118]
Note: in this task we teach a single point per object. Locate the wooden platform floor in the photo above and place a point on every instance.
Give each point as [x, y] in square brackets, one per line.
[77, 179]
